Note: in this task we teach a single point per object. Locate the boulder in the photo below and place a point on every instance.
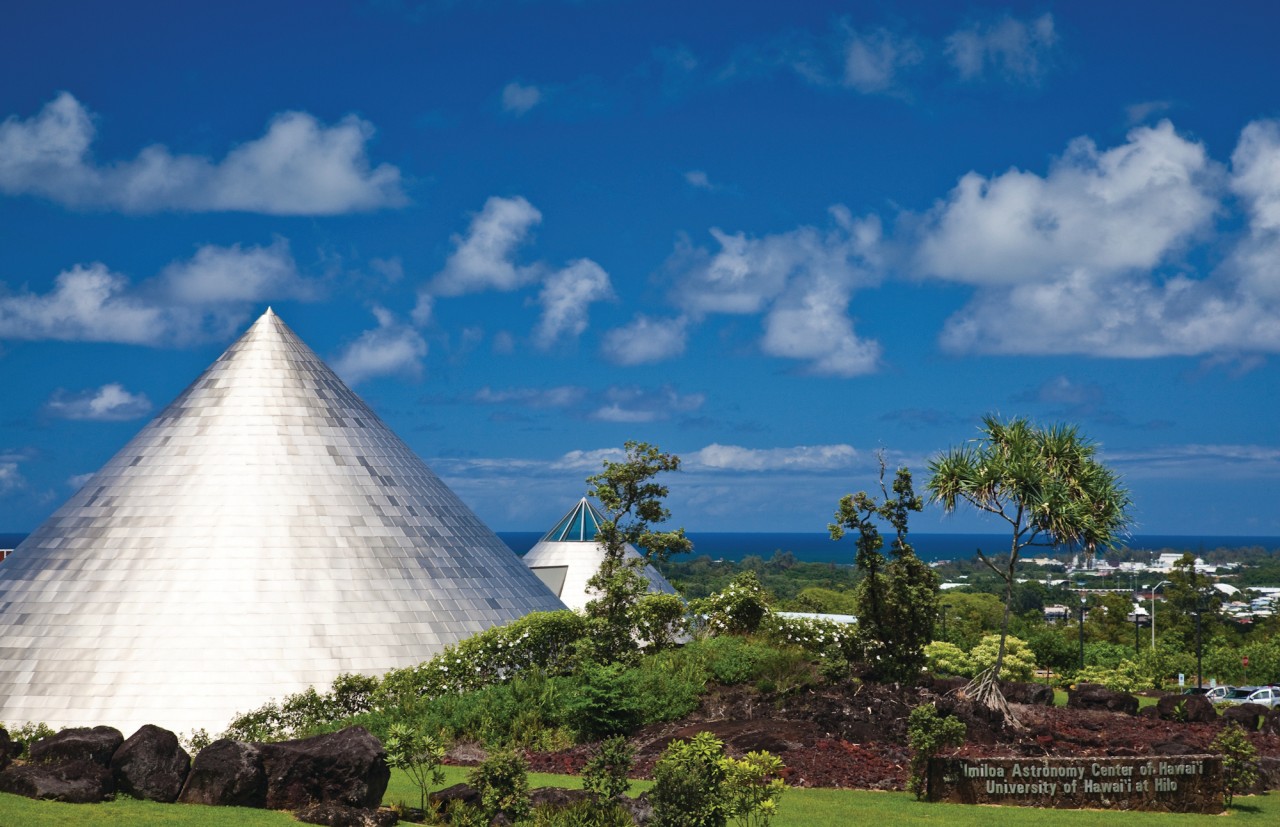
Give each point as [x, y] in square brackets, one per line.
[1148, 712]
[1269, 773]
[333, 814]
[640, 809]
[1272, 724]
[79, 781]
[1248, 716]
[80, 744]
[557, 797]
[228, 774]
[1096, 696]
[7, 753]
[1189, 709]
[151, 765]
[449, 796]
[348, 767]
[1032, 694]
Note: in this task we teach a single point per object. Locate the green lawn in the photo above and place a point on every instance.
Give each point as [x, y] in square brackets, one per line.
[800, 808]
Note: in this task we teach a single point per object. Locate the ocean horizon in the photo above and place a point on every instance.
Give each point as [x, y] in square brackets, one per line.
[818, 547]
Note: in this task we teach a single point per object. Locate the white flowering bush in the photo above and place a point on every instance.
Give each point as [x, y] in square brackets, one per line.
[542, 640]
[738, 610]
[821, 638]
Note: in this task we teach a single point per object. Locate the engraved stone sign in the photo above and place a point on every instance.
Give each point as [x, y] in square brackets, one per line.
[1173, 784]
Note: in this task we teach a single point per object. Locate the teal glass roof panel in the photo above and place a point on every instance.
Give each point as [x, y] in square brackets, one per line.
[580, 525]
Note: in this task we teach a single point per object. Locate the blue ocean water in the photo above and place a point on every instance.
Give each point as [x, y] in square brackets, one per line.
[818, 547]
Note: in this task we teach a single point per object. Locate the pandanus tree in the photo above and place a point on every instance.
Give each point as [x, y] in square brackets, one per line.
[1048, 486]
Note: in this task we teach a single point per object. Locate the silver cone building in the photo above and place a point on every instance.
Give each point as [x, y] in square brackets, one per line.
[568, 556]
[265, 533]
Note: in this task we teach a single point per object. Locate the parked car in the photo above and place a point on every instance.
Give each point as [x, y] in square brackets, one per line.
[1237, 695]
[1215, 694]
[1266, 695]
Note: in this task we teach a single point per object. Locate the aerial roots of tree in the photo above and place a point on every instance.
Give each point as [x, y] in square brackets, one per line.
[984, 692]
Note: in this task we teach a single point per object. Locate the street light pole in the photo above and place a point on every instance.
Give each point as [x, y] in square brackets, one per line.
[1153, 610]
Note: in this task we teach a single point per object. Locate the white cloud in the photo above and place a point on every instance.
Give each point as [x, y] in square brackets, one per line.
[1109, 211]
[11, 478]
[1256, 173]
[482, 259]
[230, 275]
[389, 349]
[77, 481]
[873, 61]
[588, 460]
[109, 403]
[1014, 49]
[645, 340]
[716, 457]
[801, 280]
[563, 396]
[1199, 461]
[1078, 261]
[566, 298]
[518, 99]
[814, 325]
[207, 296]
[633, 404]
[698, 179]
[299, 167]
[88, 304]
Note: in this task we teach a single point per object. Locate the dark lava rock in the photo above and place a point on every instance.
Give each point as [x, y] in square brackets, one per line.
[333, 814]
[78, 781]
[1173, 748]
[1148, 712]
[464, 793]
[1032, 694]
[227, 774]
[7, 748]
[1096, 696]
[151, 765]
[640, 809]
[1189, 709]
[1269, 773]
[1272, 724]
[557, 797]
[80, 744]
[349, 767]
[1248, 716]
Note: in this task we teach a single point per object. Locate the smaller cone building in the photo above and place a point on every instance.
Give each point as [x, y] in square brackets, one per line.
[568, 555]
[266, 532]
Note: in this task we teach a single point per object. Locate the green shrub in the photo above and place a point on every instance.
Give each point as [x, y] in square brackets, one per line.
[28, 733]
[670, 685]
[927, 734]
[418, 754]
[1127, 676]
[581, 814]
[502, 780]
[539, 640]
[606, 771]
[687, 784]
[607, 701]
[1239, 761]
[738, 610]
[660, 620]
[753, 786]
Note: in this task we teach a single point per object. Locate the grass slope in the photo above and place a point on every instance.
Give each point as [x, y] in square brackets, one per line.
[800, 808]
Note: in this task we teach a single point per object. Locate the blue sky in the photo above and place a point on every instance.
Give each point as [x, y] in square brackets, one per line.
[772, 238]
